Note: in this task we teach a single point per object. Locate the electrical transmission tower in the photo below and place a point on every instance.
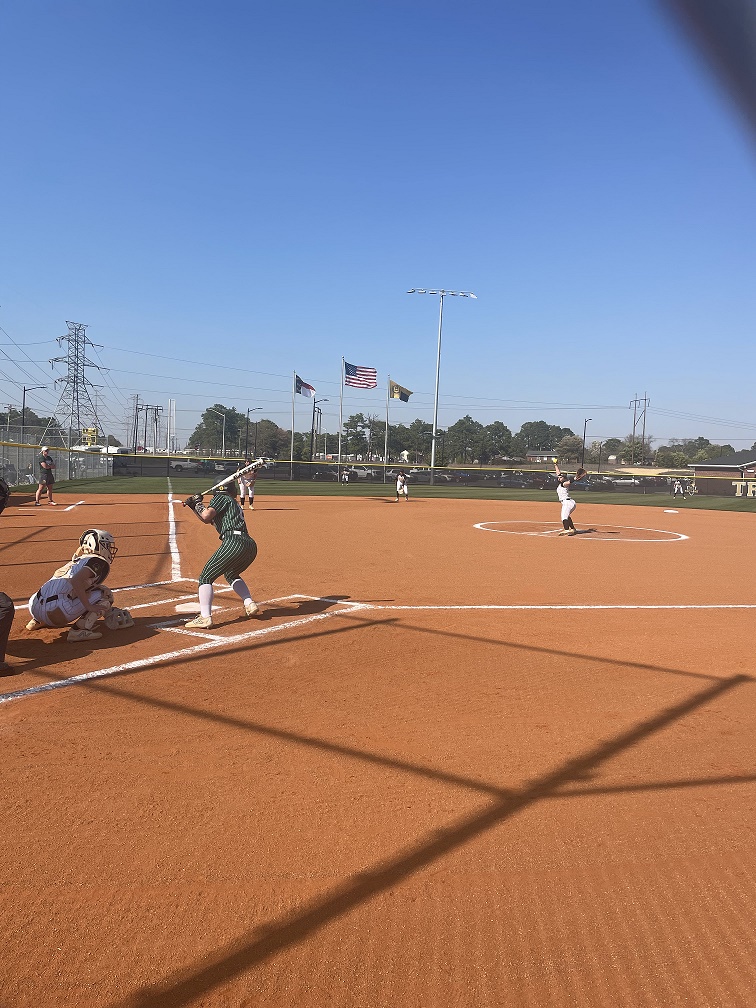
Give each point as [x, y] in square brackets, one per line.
[75, 406]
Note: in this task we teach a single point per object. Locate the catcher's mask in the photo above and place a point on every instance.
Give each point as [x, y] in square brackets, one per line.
[99, 543]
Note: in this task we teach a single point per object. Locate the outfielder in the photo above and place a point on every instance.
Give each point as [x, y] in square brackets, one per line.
[564, 485]
[236, 552]
[401, 486]
[76, 596]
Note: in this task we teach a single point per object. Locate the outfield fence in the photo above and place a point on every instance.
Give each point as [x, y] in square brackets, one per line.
[19, 466]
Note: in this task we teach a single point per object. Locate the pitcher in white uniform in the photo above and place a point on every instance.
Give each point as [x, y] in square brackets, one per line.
[564, 487]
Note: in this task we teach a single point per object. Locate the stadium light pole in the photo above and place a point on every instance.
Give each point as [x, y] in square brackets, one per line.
[441, 294]
[585, 427]
[223, 415]
[246, 436]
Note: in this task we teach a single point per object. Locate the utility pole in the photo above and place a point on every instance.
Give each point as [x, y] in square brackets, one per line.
[636, 404]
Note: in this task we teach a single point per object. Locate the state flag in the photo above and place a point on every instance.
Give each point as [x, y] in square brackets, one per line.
[302, 387]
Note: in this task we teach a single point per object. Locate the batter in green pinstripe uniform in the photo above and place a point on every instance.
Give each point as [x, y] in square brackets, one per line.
[236, 552]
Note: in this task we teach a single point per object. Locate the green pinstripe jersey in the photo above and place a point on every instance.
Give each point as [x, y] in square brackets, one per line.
[229, 517]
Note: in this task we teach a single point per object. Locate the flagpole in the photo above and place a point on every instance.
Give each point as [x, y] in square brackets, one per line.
[293, 393]
[385, 438]
[341, 414]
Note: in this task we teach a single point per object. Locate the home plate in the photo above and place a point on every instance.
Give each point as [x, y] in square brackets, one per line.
[667, 511]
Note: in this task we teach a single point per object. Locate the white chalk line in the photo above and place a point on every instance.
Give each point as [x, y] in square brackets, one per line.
[72, 506]
[166, 656]
[216, 641]
[595, 536]
[172, 542]
[550, 607]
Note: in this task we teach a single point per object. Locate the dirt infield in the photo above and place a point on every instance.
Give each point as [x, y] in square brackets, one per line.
[448, 767]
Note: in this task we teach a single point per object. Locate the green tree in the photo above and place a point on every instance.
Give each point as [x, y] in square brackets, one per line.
[570, 447]
[537, 435]
[208, 435]
[354, 437]
[465, 440]
[498, 441]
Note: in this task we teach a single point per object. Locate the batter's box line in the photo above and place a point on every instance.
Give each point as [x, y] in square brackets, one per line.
[209, 645]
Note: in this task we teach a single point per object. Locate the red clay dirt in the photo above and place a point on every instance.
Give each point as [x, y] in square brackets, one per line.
[348, 804]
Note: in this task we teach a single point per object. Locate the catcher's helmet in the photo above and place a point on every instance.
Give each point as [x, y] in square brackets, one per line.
[99, 543]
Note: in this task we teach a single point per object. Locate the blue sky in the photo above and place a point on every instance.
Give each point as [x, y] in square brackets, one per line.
[257, 185]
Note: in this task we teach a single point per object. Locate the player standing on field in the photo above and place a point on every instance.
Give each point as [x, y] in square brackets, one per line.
[247, 486]
[564, 486]
[401, 486]
[236, 552]
[46, 476]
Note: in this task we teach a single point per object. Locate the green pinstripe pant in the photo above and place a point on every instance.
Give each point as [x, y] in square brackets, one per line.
[233, 556]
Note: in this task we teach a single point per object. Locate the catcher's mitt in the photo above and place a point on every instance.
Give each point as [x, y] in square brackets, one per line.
[119, 619]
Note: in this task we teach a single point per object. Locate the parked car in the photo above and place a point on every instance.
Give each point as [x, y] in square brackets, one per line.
[626, 481]
[513, 480]
[362, 472]
[186, 465]
[324, 473]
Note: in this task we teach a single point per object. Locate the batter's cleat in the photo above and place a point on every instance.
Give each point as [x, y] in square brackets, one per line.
[33, 625]
[53, 503]
[80, 634]
[251, 608]
[200, 623]
[37, 504]
[566, 532]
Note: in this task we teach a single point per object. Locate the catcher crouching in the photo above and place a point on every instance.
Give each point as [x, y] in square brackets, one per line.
[76, 595]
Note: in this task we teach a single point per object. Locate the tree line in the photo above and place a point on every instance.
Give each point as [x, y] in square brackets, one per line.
[464, 442]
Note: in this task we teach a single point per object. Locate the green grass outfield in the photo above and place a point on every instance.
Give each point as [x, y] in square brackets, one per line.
[182, 487]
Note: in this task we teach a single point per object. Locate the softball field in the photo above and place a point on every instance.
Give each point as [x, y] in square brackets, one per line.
[458, 761]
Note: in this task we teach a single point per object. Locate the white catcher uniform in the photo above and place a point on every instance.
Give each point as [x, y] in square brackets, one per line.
[401, 487]
[568, 504]
[55, 605]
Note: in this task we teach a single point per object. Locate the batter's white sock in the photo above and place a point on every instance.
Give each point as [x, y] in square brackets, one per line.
[206, 599]
[240, 587]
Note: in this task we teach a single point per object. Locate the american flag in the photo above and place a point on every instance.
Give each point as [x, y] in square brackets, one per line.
[360, 377]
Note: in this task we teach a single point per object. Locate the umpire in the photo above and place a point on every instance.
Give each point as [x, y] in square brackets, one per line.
[235, 554]
[7, 612]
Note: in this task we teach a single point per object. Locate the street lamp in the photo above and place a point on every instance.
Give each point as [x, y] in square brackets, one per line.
[312, 428]
[223, 415]
[246, 435]
[441, 295]
[582, 457]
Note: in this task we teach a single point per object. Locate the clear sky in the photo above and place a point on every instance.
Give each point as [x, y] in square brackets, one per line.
[257, 185]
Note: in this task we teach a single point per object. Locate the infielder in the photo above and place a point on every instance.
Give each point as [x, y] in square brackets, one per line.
[401, 486]
[247, 486]
[76, 596]
[236, 552]
[564, 485]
